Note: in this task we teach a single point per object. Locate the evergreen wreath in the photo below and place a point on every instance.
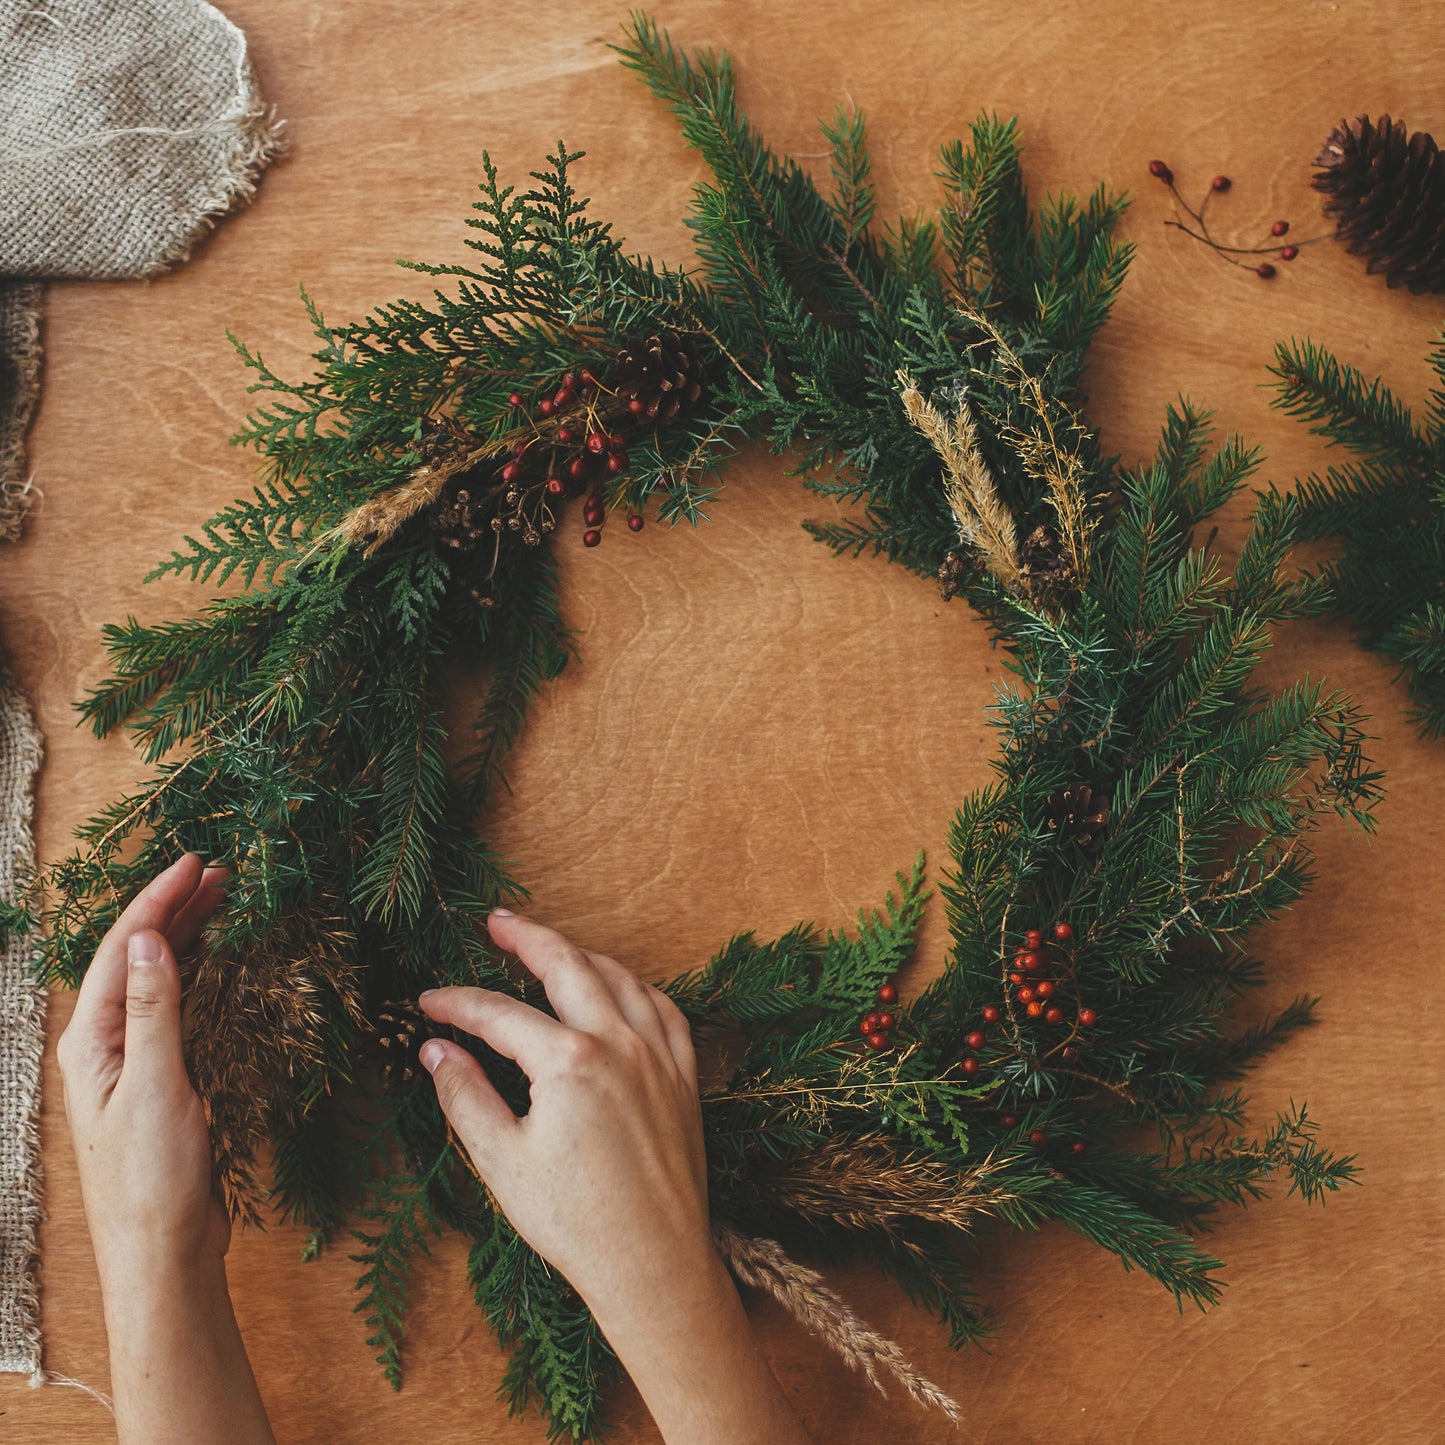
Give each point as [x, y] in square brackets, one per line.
[1075, 1058]
[1385, 507]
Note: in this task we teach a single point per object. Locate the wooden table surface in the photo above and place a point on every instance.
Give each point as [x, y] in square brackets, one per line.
[757, 733]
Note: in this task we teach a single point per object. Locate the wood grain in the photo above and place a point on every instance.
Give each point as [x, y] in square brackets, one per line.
[757, 733]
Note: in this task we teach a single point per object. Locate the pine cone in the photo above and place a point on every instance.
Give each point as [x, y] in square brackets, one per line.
[1078, 814]
[460, 519]
[659, 375]
[1043, 568]
[1386, 195]
[396, 1036]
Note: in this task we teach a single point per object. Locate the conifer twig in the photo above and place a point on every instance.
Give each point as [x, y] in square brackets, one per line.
[764, 1264]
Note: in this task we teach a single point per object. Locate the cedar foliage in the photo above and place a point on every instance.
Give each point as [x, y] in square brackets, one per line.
[295, 732]
[1384, 507]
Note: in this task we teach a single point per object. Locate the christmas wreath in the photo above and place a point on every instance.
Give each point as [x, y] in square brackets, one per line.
[1073, 1059]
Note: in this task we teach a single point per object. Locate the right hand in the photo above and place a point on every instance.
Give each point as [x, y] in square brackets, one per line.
[606, 1176]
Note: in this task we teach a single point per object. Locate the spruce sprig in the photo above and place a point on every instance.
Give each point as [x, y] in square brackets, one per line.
[1384, 508]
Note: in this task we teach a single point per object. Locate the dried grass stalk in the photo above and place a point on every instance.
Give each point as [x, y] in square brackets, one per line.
[984, 522]
[765, 1265]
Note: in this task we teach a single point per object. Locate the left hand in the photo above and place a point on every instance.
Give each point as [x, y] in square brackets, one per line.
[141, 1143]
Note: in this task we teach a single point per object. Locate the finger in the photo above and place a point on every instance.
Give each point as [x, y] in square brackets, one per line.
[678, 1033]
[475, 1109]
[572, 985]
[633, 999]
[99, 1016]
[152, 1009]
[511, 1027]
[193, 916]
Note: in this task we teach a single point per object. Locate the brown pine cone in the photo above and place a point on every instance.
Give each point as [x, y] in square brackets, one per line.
[1386, 195]
[1078, 814]
[659, 375]
[396, 1035]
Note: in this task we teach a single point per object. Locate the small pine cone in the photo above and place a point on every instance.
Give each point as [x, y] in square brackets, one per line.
[952, 574]
[1386, 195]
[396, 1035]
[1044, 570]
[661, 371]
[1079, 815]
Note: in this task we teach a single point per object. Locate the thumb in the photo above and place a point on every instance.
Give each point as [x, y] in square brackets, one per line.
[152, 1005]
[468, 1098]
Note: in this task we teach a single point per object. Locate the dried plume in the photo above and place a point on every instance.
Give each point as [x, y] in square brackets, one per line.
[984, 522]
[765, 1265]
[870, 1184]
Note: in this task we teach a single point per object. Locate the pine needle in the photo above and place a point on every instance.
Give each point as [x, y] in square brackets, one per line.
[765, 1265]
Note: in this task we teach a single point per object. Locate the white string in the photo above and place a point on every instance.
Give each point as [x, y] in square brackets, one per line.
[49, 1377]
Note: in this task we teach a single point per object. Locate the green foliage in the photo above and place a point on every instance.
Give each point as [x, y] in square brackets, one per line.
[297, 731]
[1384, 507]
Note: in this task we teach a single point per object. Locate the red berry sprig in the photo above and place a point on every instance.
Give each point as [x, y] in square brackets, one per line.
[879, 1024]
[1265, 270]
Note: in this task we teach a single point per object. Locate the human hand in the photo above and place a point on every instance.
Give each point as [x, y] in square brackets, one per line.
[606, 1177]
[141, 1144]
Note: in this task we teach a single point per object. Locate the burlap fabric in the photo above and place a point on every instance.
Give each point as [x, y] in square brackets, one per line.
[127, 127]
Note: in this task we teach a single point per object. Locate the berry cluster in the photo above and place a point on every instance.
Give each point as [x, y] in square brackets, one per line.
[572, 446]
[1265, 270]
[876, 1026]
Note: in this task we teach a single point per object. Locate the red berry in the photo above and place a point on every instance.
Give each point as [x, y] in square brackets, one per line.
[566, 436]
[1043, 989]
[555, 486]
[990, 1015]
[516, 399]
[521, 449]
[637, 406]
[969, 1066]
[886, 1021]
[1070, 1053]
[1015, 978]
[1220, 183]
[511, 472]
[1264, 271]
[617, 464]
[634, 522]
[1034, 1009]
[617, 442]
[591, 537]
[1289, 253]
[1078, 1147]
[570, 380]
[868, 1024]
[1053, 1015]
[1088, 1017]
[1033, 939]
[545, 406]
[1026, 995]
[1038, 1138]
[887, 994]
[974, 1040]
[1063, 932]
[877, 1041]
[565, 397]
[577, 469]
[1030, 961]
[1279, 228]
[1010, 1121]
[594, 516]
[1161, 172]
[596, 443]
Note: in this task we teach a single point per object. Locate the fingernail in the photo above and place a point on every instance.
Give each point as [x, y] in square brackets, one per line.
[425, 994]
[143, 948]
[431, 1054]
[503, 913]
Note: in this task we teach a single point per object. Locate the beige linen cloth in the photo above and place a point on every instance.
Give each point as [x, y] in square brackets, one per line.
[127, 127]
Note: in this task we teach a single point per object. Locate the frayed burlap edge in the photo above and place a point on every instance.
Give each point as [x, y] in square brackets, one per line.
[19, 387]
[22, 1041]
